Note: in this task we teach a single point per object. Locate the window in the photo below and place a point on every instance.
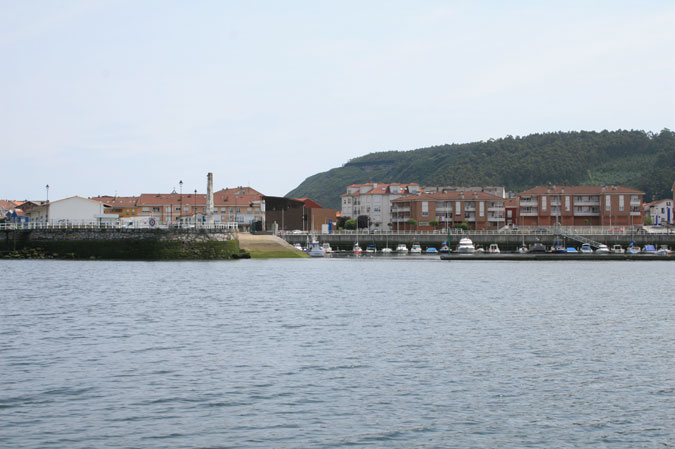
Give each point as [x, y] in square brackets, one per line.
[543, 203]
[608, 202]
[239, 210]
[567, 203]
[154, 209]
[621, 202]
[481, 208]
[425, 208]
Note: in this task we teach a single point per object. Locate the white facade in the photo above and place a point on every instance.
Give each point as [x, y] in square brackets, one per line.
[374, 201]
[73, 210]
[660, 212]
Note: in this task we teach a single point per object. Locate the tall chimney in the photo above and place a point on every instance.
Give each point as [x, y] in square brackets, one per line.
[209, 198]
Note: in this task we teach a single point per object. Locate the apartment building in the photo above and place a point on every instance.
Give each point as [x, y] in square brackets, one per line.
[374, 201]
[499, 191]
[479, 210]
[579, 206]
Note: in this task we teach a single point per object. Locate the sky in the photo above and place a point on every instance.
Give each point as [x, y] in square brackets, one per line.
[127, 97]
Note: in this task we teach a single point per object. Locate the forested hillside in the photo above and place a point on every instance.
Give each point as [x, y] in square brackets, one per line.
[637, 159]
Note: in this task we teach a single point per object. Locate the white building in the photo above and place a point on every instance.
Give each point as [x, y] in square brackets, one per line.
[374, 201]
[74, 210]
[660, 211]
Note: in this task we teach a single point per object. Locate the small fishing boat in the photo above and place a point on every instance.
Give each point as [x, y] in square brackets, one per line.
[494, 249]
[387, 250]
[416, 249]
[617, 249]
[371, 249]
[431, 250]
[445, 249]
[357, 249]
[402, 248]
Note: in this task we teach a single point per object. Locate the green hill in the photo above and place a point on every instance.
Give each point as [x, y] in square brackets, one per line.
[637, 159]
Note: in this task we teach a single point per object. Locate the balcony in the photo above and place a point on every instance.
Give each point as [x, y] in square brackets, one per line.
[532, 213]
[635, 214]
[400, 209]
[443, 210]
[496, 209]
[587, 202]
[635, 203]
[529, 203]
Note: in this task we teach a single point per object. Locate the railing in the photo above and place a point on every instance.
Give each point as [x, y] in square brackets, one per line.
[521, 230]
[114, 225]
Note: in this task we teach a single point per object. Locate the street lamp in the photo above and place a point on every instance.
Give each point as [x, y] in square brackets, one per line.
[180, 198]
[47, 187]
[195, 209]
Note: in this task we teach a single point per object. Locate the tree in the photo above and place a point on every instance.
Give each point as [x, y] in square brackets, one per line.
[412, 222]
[362, 221]
[433, 223]
[350, 224]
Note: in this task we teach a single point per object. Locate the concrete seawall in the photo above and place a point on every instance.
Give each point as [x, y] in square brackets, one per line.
[120, 244]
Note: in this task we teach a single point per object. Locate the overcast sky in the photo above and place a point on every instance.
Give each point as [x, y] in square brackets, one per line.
[129, 97]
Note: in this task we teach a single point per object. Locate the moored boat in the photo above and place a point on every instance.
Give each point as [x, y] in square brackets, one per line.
[431, 250]
[466, 246]
[416, 249]
[617, 249]
[315, 249]
[586, 249]
[402, 248]
[602, 249]
[357, 249]
[371, 249]
[445, 249]
[494, 249]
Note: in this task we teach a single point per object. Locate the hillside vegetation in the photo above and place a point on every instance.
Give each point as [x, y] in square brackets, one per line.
[637, 159]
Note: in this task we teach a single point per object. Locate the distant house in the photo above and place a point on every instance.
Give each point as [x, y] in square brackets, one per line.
[75, 210]
[316, 216]
[660, 211]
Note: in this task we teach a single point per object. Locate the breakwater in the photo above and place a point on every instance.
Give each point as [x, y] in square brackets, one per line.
[120, 244]
[506, 241]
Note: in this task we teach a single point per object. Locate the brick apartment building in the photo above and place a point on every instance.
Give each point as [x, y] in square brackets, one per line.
[479, 210]
[579, 206]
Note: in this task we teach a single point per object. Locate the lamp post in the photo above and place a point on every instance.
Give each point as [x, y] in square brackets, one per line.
[195, 209]
[180, 198]
[47, 214]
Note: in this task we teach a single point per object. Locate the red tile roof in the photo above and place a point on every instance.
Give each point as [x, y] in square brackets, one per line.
[452, 196]
[579, 190]
[311, 204]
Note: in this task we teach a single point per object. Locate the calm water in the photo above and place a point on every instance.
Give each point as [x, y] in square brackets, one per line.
[337, 353]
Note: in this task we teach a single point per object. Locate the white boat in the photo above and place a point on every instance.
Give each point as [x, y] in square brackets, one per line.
[466, 246]
[416, 249]
[327, 249]
[586, 249]
[371, 249]
[297, 246]
[602, 249]
[633, 250]
[402, 248]
[387, 250]
[445, 249]
[315, 249]
[494, 249]
[663, 251]
[523, 250]
[617, 249]
[357, 249]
